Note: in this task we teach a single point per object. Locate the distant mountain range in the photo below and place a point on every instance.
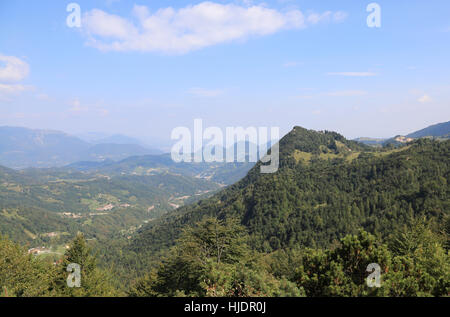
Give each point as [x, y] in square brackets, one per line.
[147, 165]
[22, 148]
[440, 130]
[437, 131]
[103, 138]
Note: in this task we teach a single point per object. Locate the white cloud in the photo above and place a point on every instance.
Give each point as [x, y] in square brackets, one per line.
[9, 90]
[338, 93]
[6, 89]
[201, 92]
[97, 108]
[353, 74]
[425, 99]
[327, 16]
[102, 24]
[193, 27]
[12, 69]
[347, 93]
[339, 16]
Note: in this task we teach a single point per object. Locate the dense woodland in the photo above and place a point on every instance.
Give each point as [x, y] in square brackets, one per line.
[213, 258]
[325, 188]
[311, 229]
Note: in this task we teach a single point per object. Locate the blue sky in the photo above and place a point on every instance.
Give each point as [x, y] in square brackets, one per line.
[141, 69]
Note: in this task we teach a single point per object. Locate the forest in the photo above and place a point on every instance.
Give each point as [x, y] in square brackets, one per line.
[312, 229]
[213, 259]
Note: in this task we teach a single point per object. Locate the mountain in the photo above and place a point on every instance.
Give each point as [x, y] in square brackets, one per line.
[218, 172]
[105, 138]
[112, 151]
[326, 187]
[119, 139]
[440, 130]
[92, 137]
[371, 141]
[22, 148]
[311, 228]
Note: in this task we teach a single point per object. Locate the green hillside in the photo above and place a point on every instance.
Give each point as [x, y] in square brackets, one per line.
[36, 203]
[326, 187]
[440, 130]
[311, 229]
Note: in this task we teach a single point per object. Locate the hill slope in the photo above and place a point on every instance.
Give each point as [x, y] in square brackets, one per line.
[220, 172]
[36, 202]
[326, 187]
[438, 130]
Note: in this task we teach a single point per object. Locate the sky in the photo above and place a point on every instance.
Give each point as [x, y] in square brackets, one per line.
[143, 68]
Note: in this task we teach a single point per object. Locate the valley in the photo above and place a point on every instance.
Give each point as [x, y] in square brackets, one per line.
[136, 212]
[36, 201]
[165, 154]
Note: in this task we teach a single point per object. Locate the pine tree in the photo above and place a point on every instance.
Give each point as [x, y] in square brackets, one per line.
[94, 281]
[23, 274]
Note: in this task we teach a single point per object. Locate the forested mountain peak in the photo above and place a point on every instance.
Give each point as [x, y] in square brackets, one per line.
[316, 142]
[321, 192]
[302, 145]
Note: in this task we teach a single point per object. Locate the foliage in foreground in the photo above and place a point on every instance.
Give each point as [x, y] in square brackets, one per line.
[25, 275]
[213, 258]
